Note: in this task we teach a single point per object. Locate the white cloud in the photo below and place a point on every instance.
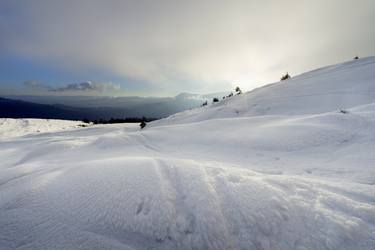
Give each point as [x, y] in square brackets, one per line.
[32, 84]
[191, 45]
[88, 86]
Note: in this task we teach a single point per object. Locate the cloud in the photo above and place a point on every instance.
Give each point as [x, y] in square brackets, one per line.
[36, 86]
[189, 45]
[88, 86]
[32, 84]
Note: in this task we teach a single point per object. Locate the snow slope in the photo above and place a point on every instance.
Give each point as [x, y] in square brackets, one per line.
[205, 179]
[19, 127]
[326, 89]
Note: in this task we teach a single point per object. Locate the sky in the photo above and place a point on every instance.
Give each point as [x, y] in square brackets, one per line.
[164, 47]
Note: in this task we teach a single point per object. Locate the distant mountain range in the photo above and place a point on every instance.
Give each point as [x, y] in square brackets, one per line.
[98, 107]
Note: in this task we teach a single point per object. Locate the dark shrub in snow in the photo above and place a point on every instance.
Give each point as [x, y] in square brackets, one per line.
[143, 124]
[285, 77]
[238, 90]
[344, 111]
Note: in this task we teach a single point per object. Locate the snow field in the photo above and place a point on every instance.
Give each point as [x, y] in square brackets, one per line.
[246, 173]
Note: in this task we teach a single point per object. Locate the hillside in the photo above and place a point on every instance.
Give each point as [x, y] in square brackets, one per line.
[20, 109]
[275, 168]
[326, 89]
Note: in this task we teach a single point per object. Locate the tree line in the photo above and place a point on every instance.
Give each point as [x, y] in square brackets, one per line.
[121, 120]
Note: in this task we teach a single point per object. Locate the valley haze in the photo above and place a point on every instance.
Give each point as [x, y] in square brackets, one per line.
[99, 107]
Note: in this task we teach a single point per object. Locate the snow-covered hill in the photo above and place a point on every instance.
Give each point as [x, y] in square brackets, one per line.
[326, 89]
[288, 173]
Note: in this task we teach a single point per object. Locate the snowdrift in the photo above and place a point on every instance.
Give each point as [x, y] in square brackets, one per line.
[210, 178]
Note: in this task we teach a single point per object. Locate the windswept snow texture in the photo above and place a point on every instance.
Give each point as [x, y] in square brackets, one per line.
[204, 179]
